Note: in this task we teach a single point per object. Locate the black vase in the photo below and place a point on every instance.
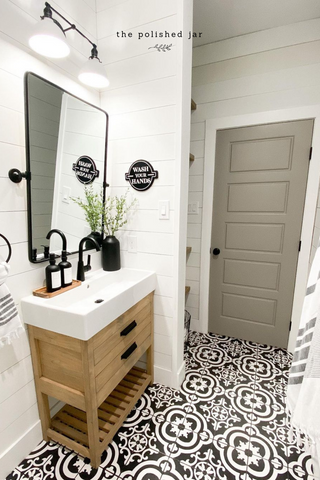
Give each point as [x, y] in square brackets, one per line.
[111, 254]
[97, 236]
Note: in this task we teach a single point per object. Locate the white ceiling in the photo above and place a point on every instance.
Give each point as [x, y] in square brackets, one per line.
[221, 19]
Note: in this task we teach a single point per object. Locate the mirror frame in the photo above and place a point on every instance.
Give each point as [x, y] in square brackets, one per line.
[28, 160]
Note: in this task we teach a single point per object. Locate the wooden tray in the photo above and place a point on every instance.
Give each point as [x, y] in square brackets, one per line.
[42, 292]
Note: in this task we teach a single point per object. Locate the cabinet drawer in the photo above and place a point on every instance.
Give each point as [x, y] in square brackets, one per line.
[122, 360]
[120, 333]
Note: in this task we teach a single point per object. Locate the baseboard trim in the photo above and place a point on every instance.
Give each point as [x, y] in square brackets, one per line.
[162, 375]
[11, 458]
[181, 374]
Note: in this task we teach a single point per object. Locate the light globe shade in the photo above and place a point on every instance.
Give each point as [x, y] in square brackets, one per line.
[93, 74]
[49, 40]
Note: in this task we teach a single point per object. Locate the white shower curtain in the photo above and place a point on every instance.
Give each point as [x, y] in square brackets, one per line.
[304, 376]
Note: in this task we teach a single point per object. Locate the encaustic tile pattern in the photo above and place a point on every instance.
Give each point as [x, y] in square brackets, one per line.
[228, 421]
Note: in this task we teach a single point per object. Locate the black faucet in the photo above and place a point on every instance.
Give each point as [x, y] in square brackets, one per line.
[62, 235]
[81, 267]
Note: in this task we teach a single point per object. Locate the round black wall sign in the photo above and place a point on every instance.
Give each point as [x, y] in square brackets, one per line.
[141, 175]
[85, 170]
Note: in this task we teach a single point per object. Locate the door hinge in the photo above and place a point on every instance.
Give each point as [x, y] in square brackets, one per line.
[299, 246]
[310, 153]
[290, 326]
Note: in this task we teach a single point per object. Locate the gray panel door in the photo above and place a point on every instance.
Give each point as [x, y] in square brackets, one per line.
[259, 192]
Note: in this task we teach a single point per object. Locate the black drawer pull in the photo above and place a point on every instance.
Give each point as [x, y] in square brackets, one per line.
[128, 352]
[128, 329]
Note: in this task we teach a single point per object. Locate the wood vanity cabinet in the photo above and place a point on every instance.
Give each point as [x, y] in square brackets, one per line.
[97, 379]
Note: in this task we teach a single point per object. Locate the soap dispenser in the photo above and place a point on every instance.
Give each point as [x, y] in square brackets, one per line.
[53, 275]
[66, 270]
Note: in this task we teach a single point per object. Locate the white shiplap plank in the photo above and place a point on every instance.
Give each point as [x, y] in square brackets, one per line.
[149, 200]
[143, 68]
[132, 14]
[258, 63]
[153, 94]
[163, 325]
[138, 124]
[259, 103]
[163, 306]
[162, 264]
[17, 404]
[164, 286]
[274, 38]
[280, 80]
[157, 147]
[13, 354]
[162, 361]
[17, 428]
[15, 378]
[12, 156]
[162, 344]
[197, 131]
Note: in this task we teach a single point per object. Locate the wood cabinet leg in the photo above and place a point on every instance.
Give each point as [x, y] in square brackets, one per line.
[43, 403]
[91, 403]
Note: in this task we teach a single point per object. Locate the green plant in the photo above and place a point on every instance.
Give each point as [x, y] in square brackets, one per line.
[92, 206]
[115, 213]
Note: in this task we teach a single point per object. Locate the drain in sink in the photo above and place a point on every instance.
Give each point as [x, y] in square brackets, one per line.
[99, 300]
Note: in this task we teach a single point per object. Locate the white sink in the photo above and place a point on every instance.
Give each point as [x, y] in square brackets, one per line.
[78, 314]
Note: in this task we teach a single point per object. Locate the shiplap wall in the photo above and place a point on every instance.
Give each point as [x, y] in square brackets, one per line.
[142, 103]
[267, 70]
[19, 421]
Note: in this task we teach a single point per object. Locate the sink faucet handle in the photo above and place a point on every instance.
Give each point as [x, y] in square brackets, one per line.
[87, 267]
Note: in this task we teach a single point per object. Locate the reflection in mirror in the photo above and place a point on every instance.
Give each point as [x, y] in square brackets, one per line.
[60, 130]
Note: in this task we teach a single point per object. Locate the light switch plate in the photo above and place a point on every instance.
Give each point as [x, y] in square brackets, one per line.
[193, 208]
[132, 244]
[66, 192]
[164, 209]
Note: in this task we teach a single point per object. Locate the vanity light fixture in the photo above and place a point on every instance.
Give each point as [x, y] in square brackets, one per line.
[49, 39]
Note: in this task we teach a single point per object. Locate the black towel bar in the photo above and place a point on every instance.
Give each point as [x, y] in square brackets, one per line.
[9, 247]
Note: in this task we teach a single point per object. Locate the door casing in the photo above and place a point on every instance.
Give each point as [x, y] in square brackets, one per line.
[212, 125]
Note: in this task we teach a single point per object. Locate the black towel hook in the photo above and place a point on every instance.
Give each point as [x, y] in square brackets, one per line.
[9, 247]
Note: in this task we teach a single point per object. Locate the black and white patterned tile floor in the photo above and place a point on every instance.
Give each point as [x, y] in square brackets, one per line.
[228, 421]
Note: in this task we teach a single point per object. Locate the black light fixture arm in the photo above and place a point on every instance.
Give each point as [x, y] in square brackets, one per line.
[47, 12]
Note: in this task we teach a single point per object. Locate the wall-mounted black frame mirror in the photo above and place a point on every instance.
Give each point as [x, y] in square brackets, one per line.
[66, 149]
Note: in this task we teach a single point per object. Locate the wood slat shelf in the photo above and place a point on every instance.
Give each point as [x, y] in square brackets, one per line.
[191, 157]
[189, 250]
[193, 105]
[69, 425]
[187, 289]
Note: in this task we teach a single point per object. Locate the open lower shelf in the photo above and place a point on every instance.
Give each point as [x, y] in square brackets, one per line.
[69, 425]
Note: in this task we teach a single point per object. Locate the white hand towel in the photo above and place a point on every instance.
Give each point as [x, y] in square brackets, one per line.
[10, 323]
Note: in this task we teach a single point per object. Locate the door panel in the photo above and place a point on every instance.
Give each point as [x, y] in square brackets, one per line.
[259, 191]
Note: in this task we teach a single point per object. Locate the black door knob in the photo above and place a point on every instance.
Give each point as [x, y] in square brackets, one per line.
[216, 251]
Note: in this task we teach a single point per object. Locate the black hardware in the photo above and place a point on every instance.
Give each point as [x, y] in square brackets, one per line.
[310, 153]
[62, 235]
[128, 329]
[216, 251]
[46, 251]
[299, 248]
[16, 176]
[87, 267]
[128, 352]
[81, 267]
[9, 247]
[100, 300]
[47, 12]
[290, 325]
